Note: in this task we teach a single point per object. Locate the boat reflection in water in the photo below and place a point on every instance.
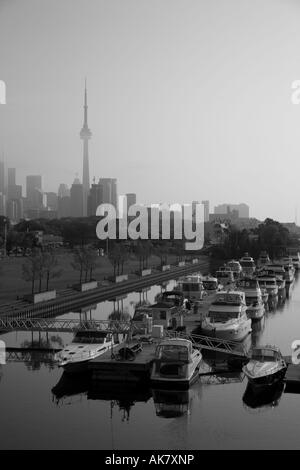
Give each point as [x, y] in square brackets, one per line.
[70, 388]
[174, 403]
[73, 388]
[263, 399]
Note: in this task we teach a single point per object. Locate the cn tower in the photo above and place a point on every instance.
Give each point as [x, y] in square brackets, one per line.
[85, 135]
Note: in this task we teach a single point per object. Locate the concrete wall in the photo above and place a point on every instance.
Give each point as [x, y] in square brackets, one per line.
[121, 278]
[88, 286]
[43, 296]
[145, 272]
[166, 267]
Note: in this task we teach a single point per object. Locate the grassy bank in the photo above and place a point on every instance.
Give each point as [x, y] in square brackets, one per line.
[13, 286]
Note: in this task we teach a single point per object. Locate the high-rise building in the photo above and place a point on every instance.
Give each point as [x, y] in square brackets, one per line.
[64, 207]
[76, 209]
[109, 191]
[206, 210]
[130, 200]
[51, 201]
[2, 178]
[11, 177]
[95, 198]
[63, 190]
[33, 182]
[85, 135]
[15, 209]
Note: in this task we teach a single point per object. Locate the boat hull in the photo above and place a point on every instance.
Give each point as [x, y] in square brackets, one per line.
[232, 334]
[255, 313]
[267, 380]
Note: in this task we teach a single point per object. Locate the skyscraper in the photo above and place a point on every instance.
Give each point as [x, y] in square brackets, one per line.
[2, 178]
[85, 135]
[33, 182]
[109, 191]
[76, 199]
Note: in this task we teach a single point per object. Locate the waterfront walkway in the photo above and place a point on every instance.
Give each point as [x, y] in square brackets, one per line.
[70, 299]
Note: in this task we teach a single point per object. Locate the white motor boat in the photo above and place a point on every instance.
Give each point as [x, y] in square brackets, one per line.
[225, 276]
[266, 366]
[227, 317]
[289, 270]
[192, 287]
[248, 265]
[176, 363]
[268, 282]
[278, 271]
[253, 295]
[263, 259]
[235, 267]
[295, 257]
[211, 284]
[86, 345]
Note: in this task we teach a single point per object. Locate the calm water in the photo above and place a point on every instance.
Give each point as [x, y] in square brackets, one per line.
[211, 415]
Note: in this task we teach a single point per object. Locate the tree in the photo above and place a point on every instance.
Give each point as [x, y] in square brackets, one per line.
[51, 267]
[31, 270]
[85, 261]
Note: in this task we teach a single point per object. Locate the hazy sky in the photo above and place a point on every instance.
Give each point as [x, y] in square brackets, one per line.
[188, 99]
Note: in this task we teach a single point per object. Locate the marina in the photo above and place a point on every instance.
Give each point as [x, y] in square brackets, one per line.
[119, 380]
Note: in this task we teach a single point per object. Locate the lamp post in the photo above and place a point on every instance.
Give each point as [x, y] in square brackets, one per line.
[5, 236]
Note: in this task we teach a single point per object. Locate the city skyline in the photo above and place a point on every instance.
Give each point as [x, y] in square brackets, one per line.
[201, 114]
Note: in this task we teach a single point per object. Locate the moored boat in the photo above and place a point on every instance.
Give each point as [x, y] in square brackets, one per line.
[86, 345]
[227, 317]
[235, 267]
[253, 295]
[266, 366]
[176, 363]
[192, 287]
[248, 265]
[211, 284]
[263, 259]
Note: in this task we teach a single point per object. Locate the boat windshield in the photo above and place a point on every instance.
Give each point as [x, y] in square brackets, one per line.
[222, 317]
[247, 264]
[210, 285]
[173, 352]
[90, 337]
[191, 286]
[264, 355]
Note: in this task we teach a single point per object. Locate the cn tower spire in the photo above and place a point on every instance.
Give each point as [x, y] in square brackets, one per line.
[85, 135]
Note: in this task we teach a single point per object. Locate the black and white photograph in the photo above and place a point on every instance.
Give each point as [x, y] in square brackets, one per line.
[149, 227]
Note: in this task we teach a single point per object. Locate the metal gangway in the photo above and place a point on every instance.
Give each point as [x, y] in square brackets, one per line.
[212, 344]
[69, 325]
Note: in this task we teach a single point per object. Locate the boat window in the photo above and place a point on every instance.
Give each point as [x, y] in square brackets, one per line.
[247, 264]
[172, 352]
[90, 337]
[264, 355]
[209, 285]
[222, 317]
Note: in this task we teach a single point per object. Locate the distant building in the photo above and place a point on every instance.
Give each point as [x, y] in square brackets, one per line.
[2, 204]
[2, 178]
[76, 209]
[242, 209]
[95, 198]
[109, 191]
[64, 207]
[63, 190]
[206, 210]
[33, 182]
[11, 177]
[129, 200]
[51, 201]
[15, 209]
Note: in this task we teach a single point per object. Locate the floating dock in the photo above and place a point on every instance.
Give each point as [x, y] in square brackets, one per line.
[110, 368]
